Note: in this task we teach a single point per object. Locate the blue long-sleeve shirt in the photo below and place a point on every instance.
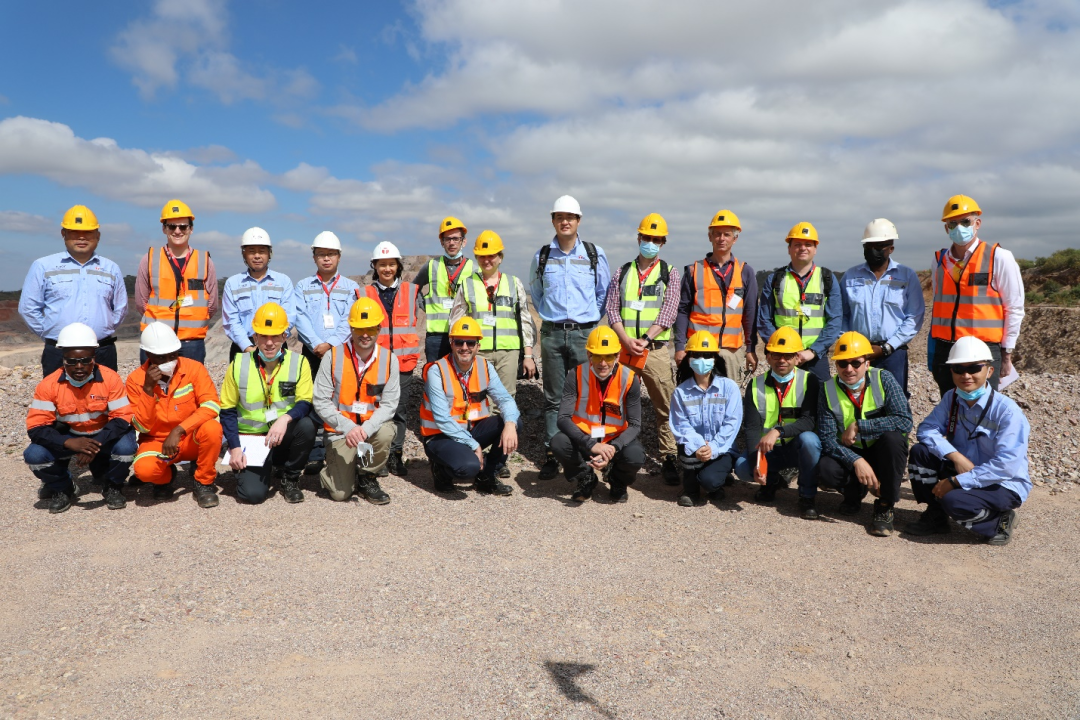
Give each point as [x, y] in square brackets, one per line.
[59, 291]
[568, 291]
[244, 295]
[997, 446]
[712, 416]
[834, 315]
[440, 404]
[889, 310]
[312, 303]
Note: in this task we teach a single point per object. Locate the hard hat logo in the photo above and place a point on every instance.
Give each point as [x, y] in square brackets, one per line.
[363, 316]
[604, 343]
[175, 209]
[843, 348]
[484, 246]
[653, 226]
[720, 218]
[956, 206]
[806, 231]
[78, 221]
[704, 343]
[449, 223]
[782, 341]
[268, 323]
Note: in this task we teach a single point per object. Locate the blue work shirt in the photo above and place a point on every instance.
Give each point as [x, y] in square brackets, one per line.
[440, 404]
[711, 416]
[568, 292]
[59, 291]
[312, 303]
[997, 446]
[244, 295]
[889, 310]
[834, 314]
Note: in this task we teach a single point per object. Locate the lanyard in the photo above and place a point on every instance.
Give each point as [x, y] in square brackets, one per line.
[802, 283]
[781, 394]
[180, 266]
[642, 275]
[268, 386]
[493, 289]
[954, 416]
[356, 367]
[451, 279]
[724, 273]
[862, 396]
[336, 278]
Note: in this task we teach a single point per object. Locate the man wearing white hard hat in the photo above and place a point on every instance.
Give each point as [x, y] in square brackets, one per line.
[323, 301]
[246, 292]
[80, 417]
[883, 300]
[569, 280]
[971, 460]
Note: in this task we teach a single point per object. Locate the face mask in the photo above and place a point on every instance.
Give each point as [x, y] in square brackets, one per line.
[961, 235]
[875, 257]
[649, 249]
[853, 386]
[167, 368]
[782, 378]
[80, 383]
[273, 358]
[702, 366]
[455, 257]
[593, 371]
[974, 394]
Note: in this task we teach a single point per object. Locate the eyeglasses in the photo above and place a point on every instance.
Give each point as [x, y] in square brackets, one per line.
[972, 369]
[966, 222]
[182, 227]
[462, 342]
[845, 364]
[72, 362]
[452, 238]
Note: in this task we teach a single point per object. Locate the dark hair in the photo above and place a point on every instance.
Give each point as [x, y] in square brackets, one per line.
[400, 268]
[684, 372]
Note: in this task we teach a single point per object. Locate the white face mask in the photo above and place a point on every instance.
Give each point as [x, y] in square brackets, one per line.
[167, 368]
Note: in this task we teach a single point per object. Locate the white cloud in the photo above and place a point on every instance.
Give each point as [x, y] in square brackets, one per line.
[22, 222]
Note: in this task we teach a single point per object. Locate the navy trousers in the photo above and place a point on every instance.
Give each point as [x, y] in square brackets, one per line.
[897, 364]
[460, 460]
[253, 483]
[110, 466]
[710, 475]
[436, 346]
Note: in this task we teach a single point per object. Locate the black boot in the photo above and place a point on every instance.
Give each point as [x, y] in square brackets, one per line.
[491, 486]
[586, 483]
[807, 511]
[767, 492]
[881, 524]
[61, 501]
[396, 465]
[549, 469]
[932, 521]
[114, 497]
[368, 486]
[444, 483]
[670, 471]
[691, 494]
[290, 488]
[206, 495]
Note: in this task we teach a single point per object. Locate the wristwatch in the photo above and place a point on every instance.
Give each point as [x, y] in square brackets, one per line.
[956, 485]
[886, 349]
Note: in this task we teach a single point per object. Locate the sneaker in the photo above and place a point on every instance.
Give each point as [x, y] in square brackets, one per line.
[1006, 527]
[689, 499]
[618, 494]
[396, 465]
[549, 469]
[670, 471]
[290, 489]
[717, 495]
[586, 483]
[807, 511]
[492, 486]
[161, 492]
[206, 495]
[502, 472]
[60, 502]
[932, 521]
[882, 523]
[850, 507]
[367, 485]
[114, 497]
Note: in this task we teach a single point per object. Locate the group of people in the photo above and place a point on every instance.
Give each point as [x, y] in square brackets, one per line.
[691, 337]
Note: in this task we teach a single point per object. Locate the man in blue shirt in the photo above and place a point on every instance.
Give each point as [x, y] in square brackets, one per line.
[77, 285]
[971, 461]
[568, 280]
[323, 301]
[883, 300]
[248, 291]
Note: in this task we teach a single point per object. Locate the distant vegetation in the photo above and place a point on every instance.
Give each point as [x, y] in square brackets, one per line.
[1053, 280]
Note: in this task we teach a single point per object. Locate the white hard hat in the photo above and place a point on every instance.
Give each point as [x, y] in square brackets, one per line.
[159, 339]
[76, 335]
[969, 349]
[880, 230]
[255, 236]
[566, 204]
[327, 240]
[386, 251]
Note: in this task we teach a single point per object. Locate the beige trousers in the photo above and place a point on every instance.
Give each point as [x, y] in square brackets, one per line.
[339, 474]
[734, 362]
[659, 379]
[506, 365]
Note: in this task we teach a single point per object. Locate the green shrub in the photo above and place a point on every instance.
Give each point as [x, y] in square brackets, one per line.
[1050, 287]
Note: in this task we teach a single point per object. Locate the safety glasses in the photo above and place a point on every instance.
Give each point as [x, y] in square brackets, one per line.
[462, 342]
[966, 222]
[73, 362]
[845, 364]
[605, 358]
[972, 369]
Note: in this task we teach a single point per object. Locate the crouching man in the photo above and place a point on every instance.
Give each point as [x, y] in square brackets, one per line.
[971, 461]
[80, 417]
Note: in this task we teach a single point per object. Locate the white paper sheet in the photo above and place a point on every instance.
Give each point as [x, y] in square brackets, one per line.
[1009, 379]
[254, 447]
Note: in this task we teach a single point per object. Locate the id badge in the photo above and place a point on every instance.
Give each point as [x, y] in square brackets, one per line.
[448, 304]
[474, 414]
[488, 320]
[328, 321]
[597, 432]
[270, 415]
[359, 407]
[637, 305]
[804, 310]
[188, 301]
[734, 302]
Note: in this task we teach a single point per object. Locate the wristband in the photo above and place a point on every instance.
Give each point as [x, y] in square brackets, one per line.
[956, 485]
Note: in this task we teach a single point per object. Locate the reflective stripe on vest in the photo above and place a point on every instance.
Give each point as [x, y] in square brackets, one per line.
[970, 307]
[844, 410]
[592, 411]
[765, 400]
[440, 294]
[650, 295]
[503, 335]
[252, 408]
[465, 414]
[712, 307]
[788, 306]
[397, 332]
[190, 321]
[348, 388]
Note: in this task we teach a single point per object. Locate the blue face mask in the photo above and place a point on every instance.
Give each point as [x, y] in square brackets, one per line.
[80, 383]
[974, 394]
[961, 235]
[783, 378]
[273, 358]
[649, 249]
[702, 366]
[854, 386]
[455, 257]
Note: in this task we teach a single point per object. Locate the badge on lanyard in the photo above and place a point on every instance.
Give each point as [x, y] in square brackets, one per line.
[734, 301]
[447, 303]
[474, 414]
[188, 301]
[804, 310]
[328, 321]
[488, 320]
[637, 305]
[597, 432]
[271, 415]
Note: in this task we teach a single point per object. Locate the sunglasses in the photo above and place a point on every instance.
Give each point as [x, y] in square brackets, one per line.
[845, 364]
[461, 342]
[700, 355]
[966, 222]
[72, 362]
[182, 227]
[973, 369]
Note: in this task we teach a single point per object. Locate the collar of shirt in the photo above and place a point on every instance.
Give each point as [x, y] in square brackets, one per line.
[319, 280]
[865, 268]
[362, 364]
[93, 259]
[951, 260]
[270, 275]
[979, 405]
[397, 281]
[715, 384]
[96, 378]
[573, 251]
[806, 277]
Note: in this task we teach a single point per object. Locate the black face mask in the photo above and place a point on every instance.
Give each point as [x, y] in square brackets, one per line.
[875, 256]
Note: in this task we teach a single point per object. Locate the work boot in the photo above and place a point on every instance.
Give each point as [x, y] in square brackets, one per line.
[586, 483]
[206, 495]
[767, 492]
[114, 497]
[670, 471]
[290, 489]
[717, 495]
[396, 465]
[162, 492]
[807, 511]
[1006, 527]
[932, 521]
[384, 471]
[444, 483]
[502, 471]
[689, 499]
[882, 523]
[42, 493]
[549, 469]
[617, 493]
[368, 486]
[491, 486]
[61, 501]
[849, 507]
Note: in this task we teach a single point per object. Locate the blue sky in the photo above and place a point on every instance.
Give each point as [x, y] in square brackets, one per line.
[375, 120]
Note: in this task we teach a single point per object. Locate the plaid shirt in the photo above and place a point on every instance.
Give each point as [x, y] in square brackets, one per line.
[665, 319]
[897, 417]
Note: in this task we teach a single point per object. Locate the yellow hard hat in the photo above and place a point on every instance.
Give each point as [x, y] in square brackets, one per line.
[603, 341]
[785, 340]
[960, 205]
[851, 345]
[703, 341]
[270, 319]
[451, 223]
[488, 243]
[176, 209]
[466, 327]
[79, 217]
[653, 225]
[726, 218]
[366, 313]
[802, 231]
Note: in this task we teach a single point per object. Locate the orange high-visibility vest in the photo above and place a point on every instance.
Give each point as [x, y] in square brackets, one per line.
[397, 332]
[970, 306]
[464, 411]
[85, 410]
[349, 389]
[608, 409]
[183, 306]
[719, 313]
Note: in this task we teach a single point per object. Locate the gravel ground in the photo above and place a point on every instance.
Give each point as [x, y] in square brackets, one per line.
[528, 607]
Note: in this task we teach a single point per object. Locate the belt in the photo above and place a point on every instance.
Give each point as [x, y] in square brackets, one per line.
[111, 340]
[657, 344]
[548, 325]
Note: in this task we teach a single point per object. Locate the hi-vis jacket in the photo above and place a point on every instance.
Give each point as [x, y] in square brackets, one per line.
[59, 410]
[244, 391]
[338, 390]
[190, 401]
[181, 304]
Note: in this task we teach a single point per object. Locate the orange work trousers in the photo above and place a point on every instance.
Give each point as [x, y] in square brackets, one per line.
[203, 446]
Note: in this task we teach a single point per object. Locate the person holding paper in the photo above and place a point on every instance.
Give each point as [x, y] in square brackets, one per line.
[706, 415]
[779, 417]
[356, 394]
[267, 395]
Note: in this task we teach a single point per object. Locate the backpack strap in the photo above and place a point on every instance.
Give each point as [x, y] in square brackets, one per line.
[826, 281]
[545, 252]
[594, 257]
